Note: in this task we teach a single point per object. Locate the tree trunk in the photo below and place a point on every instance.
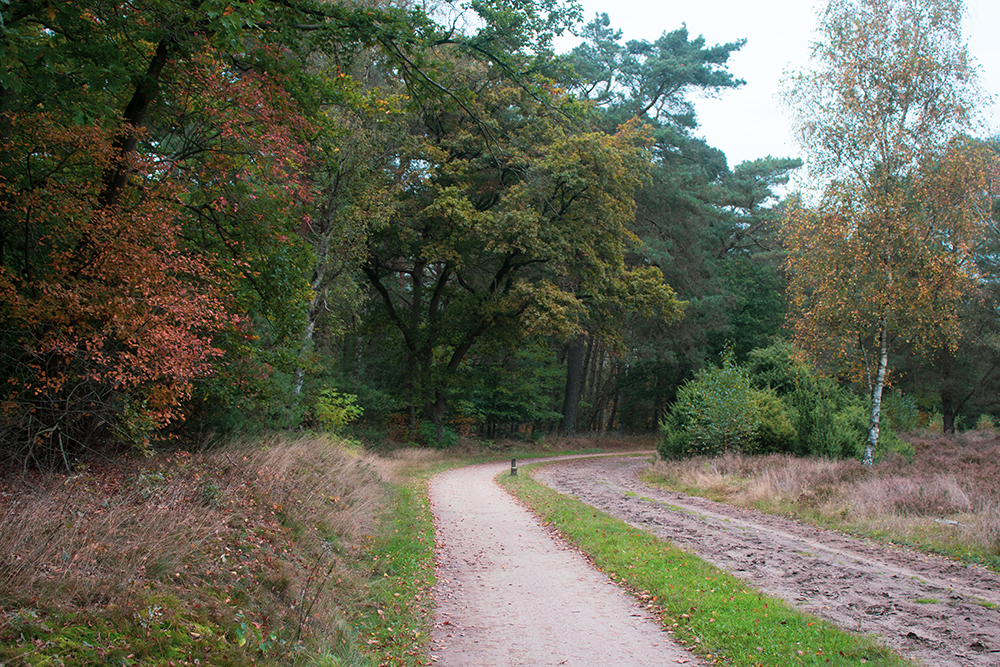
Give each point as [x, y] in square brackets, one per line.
[614, 411]
[948, 413]
[949, 407]
[116, 175]
[437, 411]
[300, 372]
[312, 314]
[574, 387]
[595, 395]
[873, 425]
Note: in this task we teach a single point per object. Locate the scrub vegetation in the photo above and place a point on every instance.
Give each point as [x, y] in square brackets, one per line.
[292, 551]
[944, 499]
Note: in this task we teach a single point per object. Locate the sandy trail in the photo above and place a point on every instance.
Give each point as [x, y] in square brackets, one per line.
[510, 593]
[938, 611]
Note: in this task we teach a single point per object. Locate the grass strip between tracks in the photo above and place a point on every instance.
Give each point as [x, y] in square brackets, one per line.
[714, 614]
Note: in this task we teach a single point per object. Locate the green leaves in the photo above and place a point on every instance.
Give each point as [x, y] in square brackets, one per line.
[499, 240]
[718, 411]
[335, 410]
[649, 79]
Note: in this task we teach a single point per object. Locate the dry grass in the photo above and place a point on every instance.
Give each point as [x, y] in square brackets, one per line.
[236, 550]
[946, 499]
[277, 553]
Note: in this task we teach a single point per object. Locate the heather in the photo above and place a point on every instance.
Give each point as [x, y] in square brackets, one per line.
[944, 499]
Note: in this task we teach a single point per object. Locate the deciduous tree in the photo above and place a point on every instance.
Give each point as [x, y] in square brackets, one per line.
[507, 224]
[888, 254]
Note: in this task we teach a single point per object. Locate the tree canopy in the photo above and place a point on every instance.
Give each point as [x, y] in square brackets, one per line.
[888, 256]
[218, 215]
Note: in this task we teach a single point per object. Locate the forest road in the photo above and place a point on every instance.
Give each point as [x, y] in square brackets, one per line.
[938, 611]
[510, 593]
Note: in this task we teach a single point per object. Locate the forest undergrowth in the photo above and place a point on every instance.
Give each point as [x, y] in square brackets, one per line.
[286, 552]
[945, 500]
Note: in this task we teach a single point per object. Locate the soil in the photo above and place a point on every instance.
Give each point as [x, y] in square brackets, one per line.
[931, 609]
[510, 592]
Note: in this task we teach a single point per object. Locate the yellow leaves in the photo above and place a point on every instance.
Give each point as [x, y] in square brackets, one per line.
[551, 311]
[902, 258]
[644, 291]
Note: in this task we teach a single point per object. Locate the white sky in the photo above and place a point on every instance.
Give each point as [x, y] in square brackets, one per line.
[750, 122]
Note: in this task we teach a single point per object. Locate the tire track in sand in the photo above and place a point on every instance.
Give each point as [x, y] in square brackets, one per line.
[939, 611]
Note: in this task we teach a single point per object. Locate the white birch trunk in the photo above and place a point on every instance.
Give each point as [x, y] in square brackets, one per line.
[873, 425]
[312, 314]
[307, 337]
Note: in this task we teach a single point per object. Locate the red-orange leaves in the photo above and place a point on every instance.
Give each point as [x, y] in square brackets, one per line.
[106, 319]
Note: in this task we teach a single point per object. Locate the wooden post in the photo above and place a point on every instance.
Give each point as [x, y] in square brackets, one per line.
[513, 467]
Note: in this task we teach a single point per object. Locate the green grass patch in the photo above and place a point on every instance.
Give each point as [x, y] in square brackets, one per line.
[711, 612]
[395, 619]
[926, 601]
[156, 635]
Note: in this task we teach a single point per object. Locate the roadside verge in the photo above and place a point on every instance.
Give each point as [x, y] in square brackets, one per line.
[719, 616]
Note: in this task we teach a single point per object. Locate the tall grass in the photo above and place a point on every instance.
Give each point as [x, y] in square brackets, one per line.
[269, 552]
[243, 555]
[945, 500]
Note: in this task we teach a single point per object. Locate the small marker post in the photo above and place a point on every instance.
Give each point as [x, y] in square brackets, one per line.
[513, 467]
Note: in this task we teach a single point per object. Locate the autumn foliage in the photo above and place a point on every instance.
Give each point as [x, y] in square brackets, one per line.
[909, 256]
[884, 263]
[110, 319]
[213, 214]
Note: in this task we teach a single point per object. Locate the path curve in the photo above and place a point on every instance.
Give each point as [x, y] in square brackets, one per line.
[510, 593]
[936, 610]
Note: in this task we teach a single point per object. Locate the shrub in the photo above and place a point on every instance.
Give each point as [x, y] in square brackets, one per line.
[778, 403]
[335, 410]
[829, 419]
[718, 411]
[676, 441]
[440, 436]
[776, 432]
[900, 411]
[934, 422]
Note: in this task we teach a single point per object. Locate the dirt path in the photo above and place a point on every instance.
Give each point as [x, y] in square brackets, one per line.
[935, 610]
[509, 593]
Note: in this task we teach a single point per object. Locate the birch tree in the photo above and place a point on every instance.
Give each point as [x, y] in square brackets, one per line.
[887, 256]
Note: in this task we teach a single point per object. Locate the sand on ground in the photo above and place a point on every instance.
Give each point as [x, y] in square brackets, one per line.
[935, 610]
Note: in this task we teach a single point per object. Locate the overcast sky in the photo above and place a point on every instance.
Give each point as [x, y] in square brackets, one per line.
[750, 122]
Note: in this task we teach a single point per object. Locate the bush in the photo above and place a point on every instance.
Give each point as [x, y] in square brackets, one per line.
[776, 432]
[441, 437]
[828, 419]
[718, 411]
[676, 442]
[335, 410]
[900, 411]
[777, 403]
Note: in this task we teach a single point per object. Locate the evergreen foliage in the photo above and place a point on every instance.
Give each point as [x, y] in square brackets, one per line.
[774, 403]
